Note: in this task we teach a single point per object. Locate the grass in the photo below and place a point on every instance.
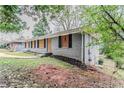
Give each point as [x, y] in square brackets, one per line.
[109, 66]
[120, 74]
[16, 70]
[32, 63]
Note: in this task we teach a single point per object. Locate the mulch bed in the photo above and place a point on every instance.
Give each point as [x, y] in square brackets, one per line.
[70, 61]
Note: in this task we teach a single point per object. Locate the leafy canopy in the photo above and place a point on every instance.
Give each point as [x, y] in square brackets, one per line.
[108, 22]
[47, 12]
[9, 15]
[9, 21]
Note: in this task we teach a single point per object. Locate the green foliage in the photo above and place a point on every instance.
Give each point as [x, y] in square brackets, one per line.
[108, 22]
[39, 29]
[47, 11]
[49, 8]
[9, 21]
[100, 61]
[3, 46]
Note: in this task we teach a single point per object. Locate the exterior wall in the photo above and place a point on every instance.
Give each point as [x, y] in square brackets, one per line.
[37, 50]
[17, 46]
[91, 51]
[74, 52]
[20, 46]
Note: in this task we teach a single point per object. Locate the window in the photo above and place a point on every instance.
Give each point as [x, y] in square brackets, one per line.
[32, 44]
[65, 41]
[41, 43]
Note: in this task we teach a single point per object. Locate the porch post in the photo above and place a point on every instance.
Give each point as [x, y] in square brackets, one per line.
[36, 43]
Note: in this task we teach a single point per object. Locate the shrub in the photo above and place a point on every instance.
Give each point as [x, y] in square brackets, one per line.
[100, 61]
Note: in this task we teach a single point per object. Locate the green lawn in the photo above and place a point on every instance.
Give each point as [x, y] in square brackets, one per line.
[32, 63]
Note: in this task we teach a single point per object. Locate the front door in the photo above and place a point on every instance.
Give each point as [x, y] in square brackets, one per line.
[49, 45]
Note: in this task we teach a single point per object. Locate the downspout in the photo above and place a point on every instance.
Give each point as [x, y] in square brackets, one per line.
[83, 47]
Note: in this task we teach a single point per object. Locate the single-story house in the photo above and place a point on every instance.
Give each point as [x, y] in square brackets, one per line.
[17, 45]
[72, 43]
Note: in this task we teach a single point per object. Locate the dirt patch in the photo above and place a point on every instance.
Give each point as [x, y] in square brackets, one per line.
[52, 76]
[57, 77]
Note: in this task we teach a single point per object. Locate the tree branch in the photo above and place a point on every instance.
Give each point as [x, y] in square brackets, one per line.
[112, 18]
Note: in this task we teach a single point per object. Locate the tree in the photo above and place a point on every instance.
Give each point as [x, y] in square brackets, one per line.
[108, 22]
[45, 13]
[9, 20]
[60, 18]
[9, 15]
[68, 18]
[39, 29]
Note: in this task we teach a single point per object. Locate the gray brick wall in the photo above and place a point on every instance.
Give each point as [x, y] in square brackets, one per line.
[74, 52]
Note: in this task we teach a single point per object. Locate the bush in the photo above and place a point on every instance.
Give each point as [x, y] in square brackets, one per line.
[119, 61]
[2, 46]
[100, 61]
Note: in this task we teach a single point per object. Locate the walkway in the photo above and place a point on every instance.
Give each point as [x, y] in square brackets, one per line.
[3, 55]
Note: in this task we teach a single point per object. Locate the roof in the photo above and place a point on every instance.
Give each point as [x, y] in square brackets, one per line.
[16, 41]
[71, 31]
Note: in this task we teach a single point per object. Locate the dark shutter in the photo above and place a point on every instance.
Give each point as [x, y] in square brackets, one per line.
[70, 40]
[59, 41]
[37, 43]
[44, 43]
[34, 44]
[83, 47]
[25, 44]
